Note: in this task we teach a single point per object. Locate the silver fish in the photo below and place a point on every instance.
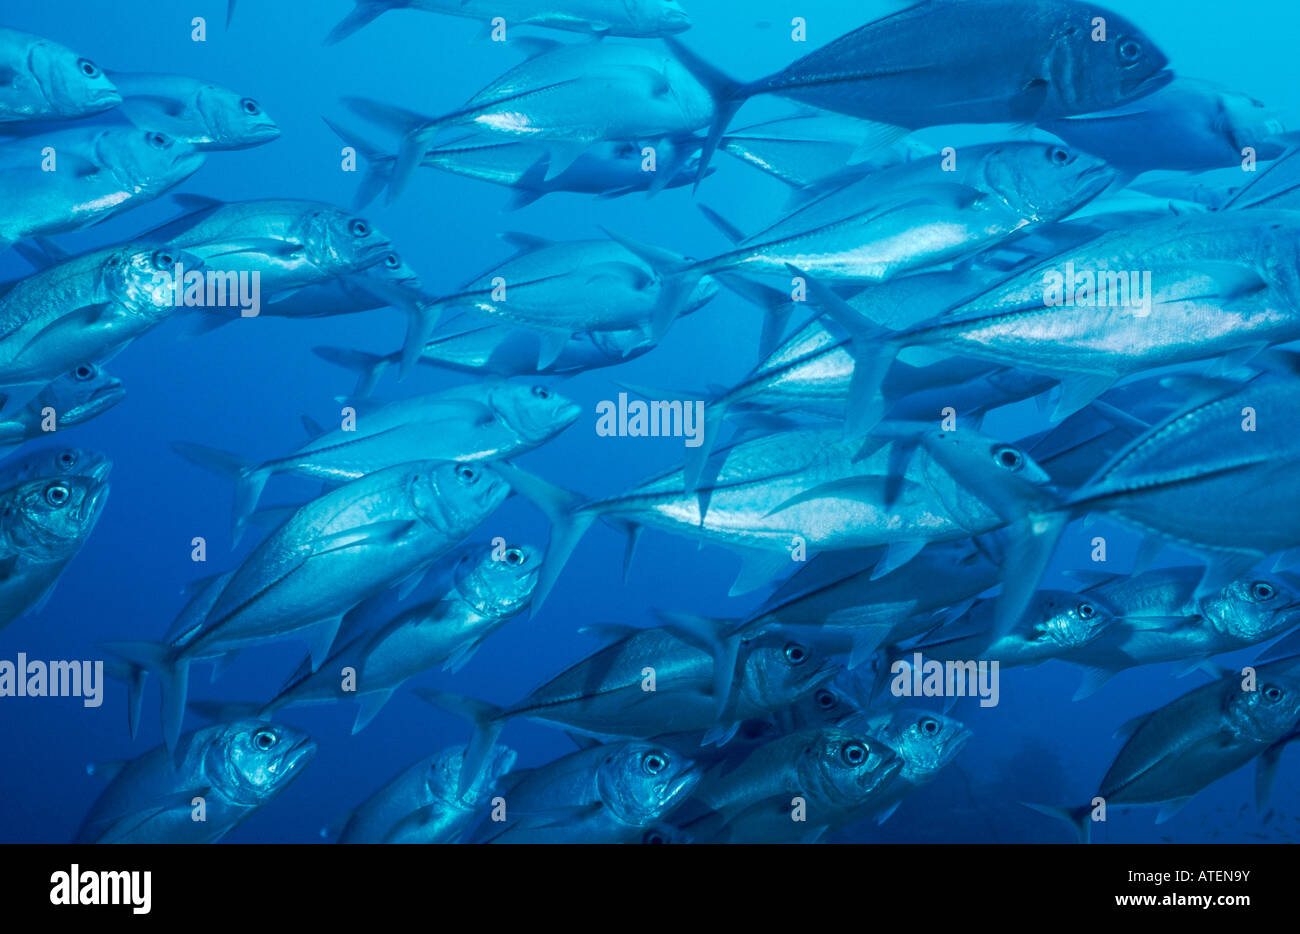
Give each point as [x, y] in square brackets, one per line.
[642, 18]
[234, 768]
[75, 397]
[43, 80]
[474, 422]
[207, 116]
[423, 804]
[333, 553]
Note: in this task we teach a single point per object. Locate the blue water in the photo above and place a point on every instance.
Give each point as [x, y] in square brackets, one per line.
[245, 387]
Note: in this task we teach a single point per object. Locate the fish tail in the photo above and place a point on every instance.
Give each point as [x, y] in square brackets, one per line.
[718, 638]
[379, 165]
[488, 720]
[423, 319]
[369, 367]
[230, 12]
[531, 185]
[677, 280]
[365, 12]
[1075, 817]
[134, 677]
[416, 130]
[729, 95]
[173, 671]
[248, 490]
[874, 351]
[250, 479]
[777, 306]
[570, 515]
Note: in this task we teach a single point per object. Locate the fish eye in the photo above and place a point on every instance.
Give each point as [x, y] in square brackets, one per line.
[466, 473]
[250, 107]
[1130, 50]
[795, 653]
[854, 753]
[1004, 455]
[825, 699]
[653, 763]
[654, 836]
[88, 68]
[1261, 590]
[514, 557]
[1087, 611]
[392, 261]
[56, 494]
[929, 726]
[83, 372]
[67, 459]
[265, 740]
[157, 140]
[1059, 155]
[541, 392]
[162, 259]
[1272, 693]
[359, 228]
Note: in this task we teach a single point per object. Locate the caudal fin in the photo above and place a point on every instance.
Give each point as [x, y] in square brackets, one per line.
[250, 479]
[678, 278]
[569, 518]
[873, 354]
[1075, 817]
[728, 95]
[369, 367]
[364, 13]
[488, 720]
[417, 132]
[173, 671]
[379, 165]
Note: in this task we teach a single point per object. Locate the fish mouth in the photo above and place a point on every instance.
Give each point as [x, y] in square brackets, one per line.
[94, 503]
[676, 21]
[99, 473]
[1096, 179]
[106, 98]
[1148, 85]
[679, 786]
[298, 756]
[568, 414]
[959, 743]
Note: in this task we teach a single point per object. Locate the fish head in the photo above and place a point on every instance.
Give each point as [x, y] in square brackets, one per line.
[147, 159]
[534, 413]
[71, 84]
[442, 779]
[252, 760]
[778, 667]
[1067, 619]
[1255, 607]
[498, 582]
[971, 473]
[641, 782]
[392, 268]
[844, 767]
[48, 518]
[925, 741]
[455, 497]
[657, 17]
[232, 121]
[1087, 74]
[1042, 181]
[1267, 713]
[341, 240]
[149, 280]
[54, 462]
[82, 393]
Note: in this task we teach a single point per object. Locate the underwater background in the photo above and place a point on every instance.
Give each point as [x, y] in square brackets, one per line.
[246, 387]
